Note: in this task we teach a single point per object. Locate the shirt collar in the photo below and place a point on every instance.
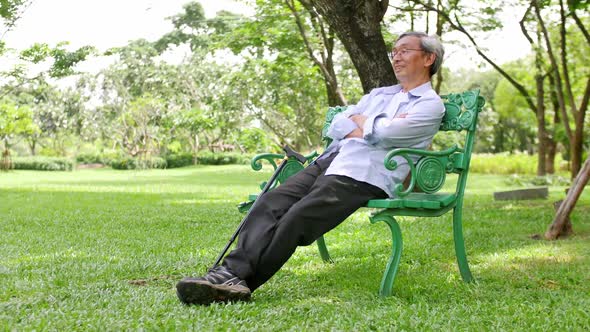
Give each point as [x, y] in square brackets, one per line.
[421, 89]
[416, 92]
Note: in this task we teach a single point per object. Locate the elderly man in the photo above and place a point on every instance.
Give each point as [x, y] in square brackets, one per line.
[347, 175]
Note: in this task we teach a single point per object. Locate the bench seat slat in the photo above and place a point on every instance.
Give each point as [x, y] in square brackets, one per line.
[415, 200]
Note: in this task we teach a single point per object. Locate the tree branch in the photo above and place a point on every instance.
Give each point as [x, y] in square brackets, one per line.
[522, 27]
[566, 76]
[580, 25]
[306, 41]
[584, 104]
[555, 70]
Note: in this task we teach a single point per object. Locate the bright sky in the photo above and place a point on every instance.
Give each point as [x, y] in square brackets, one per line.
[110, 23]
[104, 23]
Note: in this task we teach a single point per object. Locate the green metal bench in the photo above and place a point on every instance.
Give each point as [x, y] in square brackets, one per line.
[427, 176]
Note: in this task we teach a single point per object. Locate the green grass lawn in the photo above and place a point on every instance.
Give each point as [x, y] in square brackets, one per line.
[103, 249]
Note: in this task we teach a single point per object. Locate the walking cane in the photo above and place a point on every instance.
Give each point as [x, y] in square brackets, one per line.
[288, 153]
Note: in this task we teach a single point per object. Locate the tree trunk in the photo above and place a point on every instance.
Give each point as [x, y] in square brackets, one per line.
[552, 143]
[558, 227]
[6, 162]
[550, 156]
[357, 24]
[196, 149]
[576, 148]
[541, 131]
[32, 146]
[439, 31]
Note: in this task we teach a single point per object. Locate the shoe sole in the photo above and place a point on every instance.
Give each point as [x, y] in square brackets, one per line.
[204, 293]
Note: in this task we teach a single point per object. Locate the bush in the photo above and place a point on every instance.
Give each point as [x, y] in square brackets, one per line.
[43, 163]
[222, 158]
[503, 163]
[179, 160]
[89, 158]
[99, 158]
[529, 181]
[135, 163]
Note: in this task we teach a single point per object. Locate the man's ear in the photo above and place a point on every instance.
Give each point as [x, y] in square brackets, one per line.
[430, 57]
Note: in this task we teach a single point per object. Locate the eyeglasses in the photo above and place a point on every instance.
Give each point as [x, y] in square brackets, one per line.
[402, 52]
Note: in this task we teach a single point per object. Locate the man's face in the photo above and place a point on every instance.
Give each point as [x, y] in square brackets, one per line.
[409, 60]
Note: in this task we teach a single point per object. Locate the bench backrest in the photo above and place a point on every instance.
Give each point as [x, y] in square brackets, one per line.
[461, 113]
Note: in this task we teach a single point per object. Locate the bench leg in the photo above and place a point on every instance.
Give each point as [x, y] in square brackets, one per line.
[323, 250]
[396, 252]
[460, 244]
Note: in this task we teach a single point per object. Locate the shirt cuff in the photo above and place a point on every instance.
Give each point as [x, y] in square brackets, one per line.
[370, 125]
[341, 128]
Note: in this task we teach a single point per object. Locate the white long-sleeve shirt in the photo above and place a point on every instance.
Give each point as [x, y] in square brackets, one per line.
[394, 120]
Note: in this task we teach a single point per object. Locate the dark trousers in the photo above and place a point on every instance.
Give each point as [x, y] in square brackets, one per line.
[296, 213]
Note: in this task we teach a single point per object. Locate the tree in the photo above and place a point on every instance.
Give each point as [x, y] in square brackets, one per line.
[10, 11]
[292, 110]
[321, 49]
[138, 127]
[576, 109]
[260, 88]
[193, 121]
[560, 227]
[210, 90]
[14, 121]
[357, 23]
[61, 64]
[516, 129]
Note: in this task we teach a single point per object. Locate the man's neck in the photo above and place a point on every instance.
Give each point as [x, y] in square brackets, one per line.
[407, 86]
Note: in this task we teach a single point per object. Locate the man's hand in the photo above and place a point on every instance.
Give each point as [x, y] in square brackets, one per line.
[359, 120]
[355, 133]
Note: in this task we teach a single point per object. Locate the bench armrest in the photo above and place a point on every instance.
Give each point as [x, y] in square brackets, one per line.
[293, 165]
[430, 171]
[256, 162]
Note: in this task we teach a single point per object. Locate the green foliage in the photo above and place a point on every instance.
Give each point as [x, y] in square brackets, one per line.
[15, 120]
[488, 129]
[139, 126]
[126, 163]
[36, 53]
[9, 10]
[503, 163]
[179, 160]
[222, 158]
[446, 139]
[49, 152]
[91, 158]
[528, 181]
[64, 61]
[105, 249]
[193, 28]
[43, 163]
[254, 140]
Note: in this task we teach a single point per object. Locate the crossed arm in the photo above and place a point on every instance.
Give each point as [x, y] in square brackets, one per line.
[419, 123]
[359, 120]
